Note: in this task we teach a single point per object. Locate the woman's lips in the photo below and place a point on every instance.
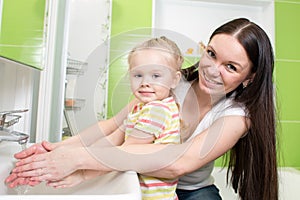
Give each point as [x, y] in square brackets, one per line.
[207, 79]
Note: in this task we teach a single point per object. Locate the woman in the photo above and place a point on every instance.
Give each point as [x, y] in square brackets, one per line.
[227, 104]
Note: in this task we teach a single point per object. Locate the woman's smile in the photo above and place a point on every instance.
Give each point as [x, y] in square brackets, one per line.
[211, 80]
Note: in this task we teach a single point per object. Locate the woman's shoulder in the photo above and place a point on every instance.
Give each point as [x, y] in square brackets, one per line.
[228, 106]
[181, 90]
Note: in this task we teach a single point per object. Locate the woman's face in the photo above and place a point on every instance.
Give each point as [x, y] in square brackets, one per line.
[223, 66]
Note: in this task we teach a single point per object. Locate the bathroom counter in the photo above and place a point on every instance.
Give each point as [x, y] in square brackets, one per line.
[114, 185]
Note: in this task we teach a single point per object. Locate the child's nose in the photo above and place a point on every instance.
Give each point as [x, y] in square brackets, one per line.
[145, 82]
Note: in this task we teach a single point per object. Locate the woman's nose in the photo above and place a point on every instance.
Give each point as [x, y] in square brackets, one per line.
[214, 70]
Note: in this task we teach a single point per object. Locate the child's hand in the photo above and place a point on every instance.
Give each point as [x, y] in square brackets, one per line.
[72, 180]
[13, 181]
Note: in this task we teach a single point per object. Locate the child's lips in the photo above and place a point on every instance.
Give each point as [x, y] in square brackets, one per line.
[146, 93]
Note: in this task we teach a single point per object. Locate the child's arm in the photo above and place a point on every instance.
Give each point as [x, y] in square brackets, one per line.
[139, 137]
[114, 139]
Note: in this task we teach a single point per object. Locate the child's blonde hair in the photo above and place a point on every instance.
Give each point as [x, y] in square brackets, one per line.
[163, 44]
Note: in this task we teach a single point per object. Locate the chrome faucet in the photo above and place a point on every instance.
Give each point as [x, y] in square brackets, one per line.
[13, 136]
[8, 135]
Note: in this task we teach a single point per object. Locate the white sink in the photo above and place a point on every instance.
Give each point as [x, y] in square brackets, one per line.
[115, 185]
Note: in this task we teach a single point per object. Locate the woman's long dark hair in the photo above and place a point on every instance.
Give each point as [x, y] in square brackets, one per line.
[253, 160]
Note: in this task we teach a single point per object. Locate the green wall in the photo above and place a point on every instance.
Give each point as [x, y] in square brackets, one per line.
[126, 16]
[22, 31]
[287, 71]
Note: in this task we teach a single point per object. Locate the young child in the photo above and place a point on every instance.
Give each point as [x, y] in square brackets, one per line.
[154, 70]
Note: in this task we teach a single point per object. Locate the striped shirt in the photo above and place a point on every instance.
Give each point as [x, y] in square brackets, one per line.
[161, 119]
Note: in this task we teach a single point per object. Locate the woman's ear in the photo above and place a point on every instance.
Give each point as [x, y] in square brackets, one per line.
[248, 81]
[176, 79]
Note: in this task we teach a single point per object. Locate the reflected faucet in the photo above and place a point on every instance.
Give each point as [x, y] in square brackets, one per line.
[13, 136]
[7, 119]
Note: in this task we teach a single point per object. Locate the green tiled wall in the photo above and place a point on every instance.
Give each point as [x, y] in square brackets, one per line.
[287, 70]
[22, 31]
[126, 16]
[287, 83]
[287, 28]
[289, 143]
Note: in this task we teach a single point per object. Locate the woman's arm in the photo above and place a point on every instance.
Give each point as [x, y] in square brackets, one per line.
[77, 140]
[171, 161]
[167, 161]
[207, 146]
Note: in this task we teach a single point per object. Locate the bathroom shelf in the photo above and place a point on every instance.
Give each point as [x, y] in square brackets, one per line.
[74, 104]
[76, 67]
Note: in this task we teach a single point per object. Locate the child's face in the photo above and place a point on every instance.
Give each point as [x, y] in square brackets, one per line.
[152, 74]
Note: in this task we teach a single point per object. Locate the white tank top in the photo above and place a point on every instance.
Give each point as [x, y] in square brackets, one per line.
[225, 107]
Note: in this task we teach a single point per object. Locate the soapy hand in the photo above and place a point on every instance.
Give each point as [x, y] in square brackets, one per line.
[76, 178]
[35, 149]
[72, 180]
[48, 166]
[13, 179]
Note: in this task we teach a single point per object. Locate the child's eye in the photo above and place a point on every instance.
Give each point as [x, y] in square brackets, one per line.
[137, 75]
[156, 75]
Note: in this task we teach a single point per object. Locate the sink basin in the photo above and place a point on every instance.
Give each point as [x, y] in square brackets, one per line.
[114, 185]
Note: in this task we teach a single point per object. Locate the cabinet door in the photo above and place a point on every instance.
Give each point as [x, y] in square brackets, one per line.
[22, 31]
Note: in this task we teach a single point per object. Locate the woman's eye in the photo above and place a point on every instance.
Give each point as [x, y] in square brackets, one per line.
[231, 67]
[211, 53]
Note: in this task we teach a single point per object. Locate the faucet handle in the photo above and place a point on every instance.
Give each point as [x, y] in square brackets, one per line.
[12, 111]
[15, 119]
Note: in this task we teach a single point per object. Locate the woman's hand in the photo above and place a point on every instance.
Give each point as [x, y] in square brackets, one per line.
[50, 166]
[35, 149]
[13, 179]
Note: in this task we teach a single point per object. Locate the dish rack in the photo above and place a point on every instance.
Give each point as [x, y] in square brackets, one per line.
[74, 68]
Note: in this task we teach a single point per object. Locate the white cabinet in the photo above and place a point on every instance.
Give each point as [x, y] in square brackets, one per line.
[197, 19]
